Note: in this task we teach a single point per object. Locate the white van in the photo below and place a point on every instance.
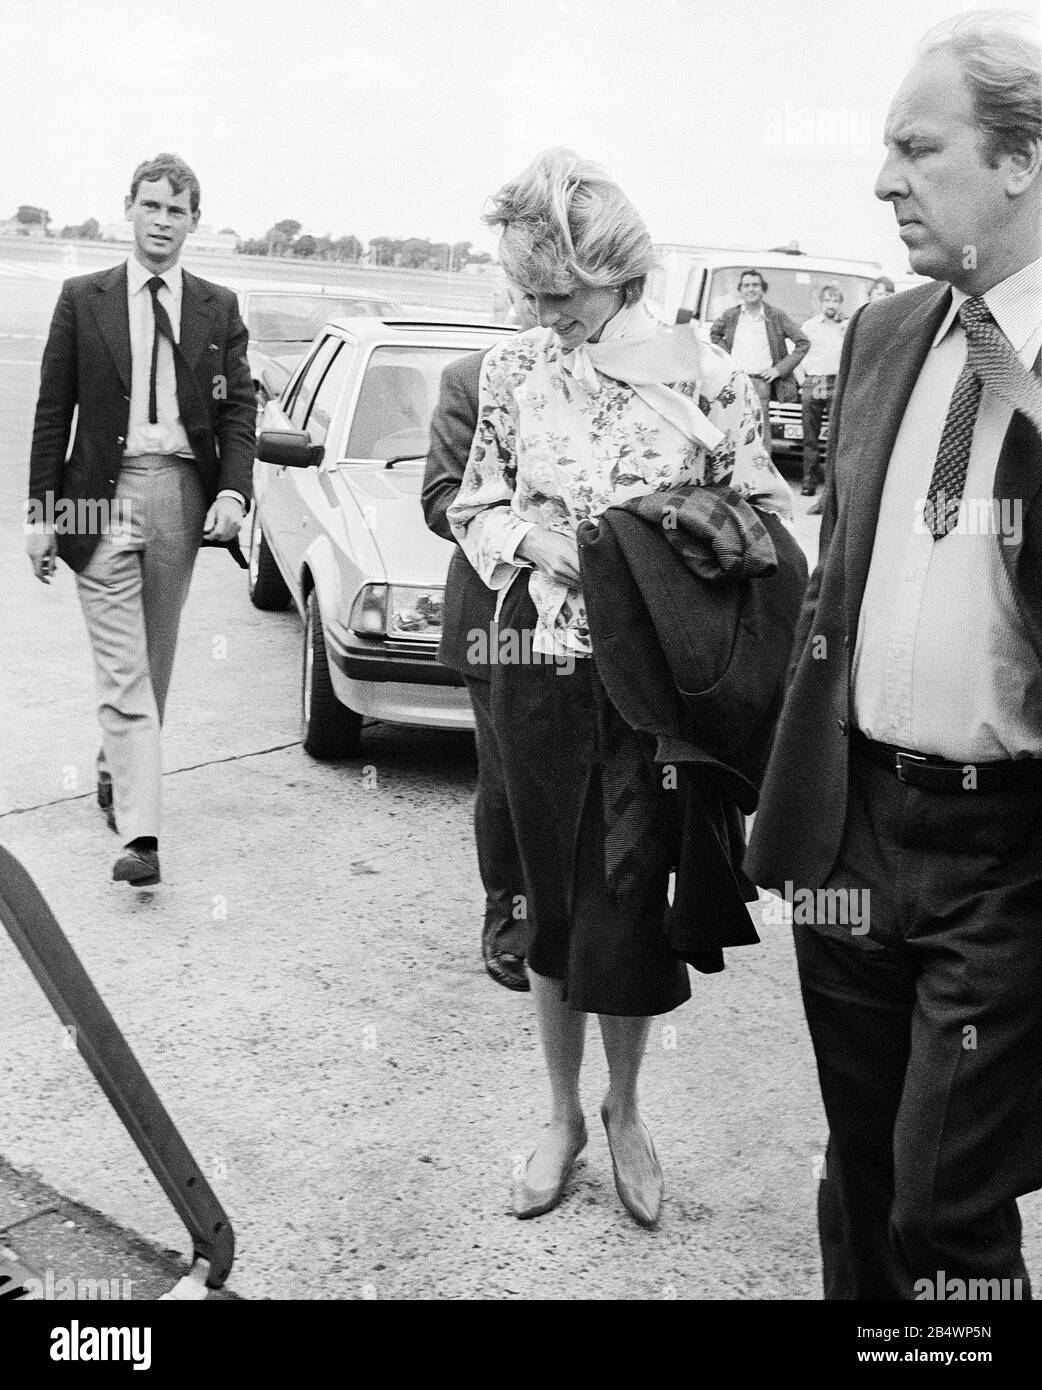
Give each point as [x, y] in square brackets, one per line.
[700, 282]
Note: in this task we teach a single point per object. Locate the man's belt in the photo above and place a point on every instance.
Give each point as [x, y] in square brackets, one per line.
[942, 775]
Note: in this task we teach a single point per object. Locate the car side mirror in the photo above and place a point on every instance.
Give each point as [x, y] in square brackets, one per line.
[289, 449]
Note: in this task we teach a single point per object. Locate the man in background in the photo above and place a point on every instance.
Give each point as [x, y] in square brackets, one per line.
[825, 332]
[754, 333]
[880, 288]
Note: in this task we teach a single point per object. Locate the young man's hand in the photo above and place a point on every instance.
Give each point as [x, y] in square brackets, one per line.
[223, 520]
[42, 548]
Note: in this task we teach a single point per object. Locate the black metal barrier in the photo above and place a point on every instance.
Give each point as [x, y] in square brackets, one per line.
[34, 929]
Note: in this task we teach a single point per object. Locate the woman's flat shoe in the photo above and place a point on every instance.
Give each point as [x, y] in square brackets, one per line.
[535, 1201]
[643, 1200]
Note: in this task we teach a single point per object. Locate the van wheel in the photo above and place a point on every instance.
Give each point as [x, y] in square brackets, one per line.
[268, 589]
[328, 729]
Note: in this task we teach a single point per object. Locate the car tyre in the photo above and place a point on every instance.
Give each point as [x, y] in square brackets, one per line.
[328, 729]
[268, 589]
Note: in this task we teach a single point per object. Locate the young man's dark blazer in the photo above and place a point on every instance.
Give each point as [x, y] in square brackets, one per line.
[803, 802]
[779, 327]
[86, 373]
[470, 604]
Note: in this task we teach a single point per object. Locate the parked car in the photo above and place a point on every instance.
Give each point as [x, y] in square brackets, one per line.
[338, 529]
[700, 282]
[283, 318]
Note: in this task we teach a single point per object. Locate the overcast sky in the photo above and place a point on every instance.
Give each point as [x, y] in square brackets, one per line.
[750, 122]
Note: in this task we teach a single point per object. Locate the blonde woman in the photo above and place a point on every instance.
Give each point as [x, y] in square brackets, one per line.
[597, 405]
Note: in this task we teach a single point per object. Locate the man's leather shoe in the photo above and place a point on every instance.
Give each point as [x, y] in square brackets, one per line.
[500, 939]
[536, 1201]
[808, 490]
[138, 867]
[643, 1201]
[105, 800]
[508, 971]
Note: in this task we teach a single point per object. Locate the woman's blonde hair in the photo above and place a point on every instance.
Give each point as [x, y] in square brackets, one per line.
[565, 223]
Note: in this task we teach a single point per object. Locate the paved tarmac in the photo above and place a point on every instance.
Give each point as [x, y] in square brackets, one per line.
[306, 994]
[52, 1248]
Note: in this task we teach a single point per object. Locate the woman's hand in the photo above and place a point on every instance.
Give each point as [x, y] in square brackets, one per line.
[555, 555]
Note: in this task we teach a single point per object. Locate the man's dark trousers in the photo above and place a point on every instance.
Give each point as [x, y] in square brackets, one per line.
[505, 932]
[468, 636]
[928, 1032]
[816, 397]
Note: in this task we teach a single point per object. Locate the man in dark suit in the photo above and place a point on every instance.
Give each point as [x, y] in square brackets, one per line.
[754, 333]
[901, 814]
[151, 363]
[467, 631]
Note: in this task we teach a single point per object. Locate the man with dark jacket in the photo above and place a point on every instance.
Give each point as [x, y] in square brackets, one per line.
[467, 632]
[151, 363]
[754, 333]
[904, 791]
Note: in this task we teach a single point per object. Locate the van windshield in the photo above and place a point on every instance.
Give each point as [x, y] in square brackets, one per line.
[793, 290]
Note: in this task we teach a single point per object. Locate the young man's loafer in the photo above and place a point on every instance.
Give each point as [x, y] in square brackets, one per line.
[138, 867]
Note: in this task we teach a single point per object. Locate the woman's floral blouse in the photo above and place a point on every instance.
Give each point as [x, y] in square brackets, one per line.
[550, 451]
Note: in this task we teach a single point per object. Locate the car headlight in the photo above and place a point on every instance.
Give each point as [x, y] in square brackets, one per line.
[369, 611]
[398, 610]
[414, 612]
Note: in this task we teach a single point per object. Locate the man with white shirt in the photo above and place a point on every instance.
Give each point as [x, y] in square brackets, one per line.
[754, 333]
[907, 765]
[149, 361]
[825, 333]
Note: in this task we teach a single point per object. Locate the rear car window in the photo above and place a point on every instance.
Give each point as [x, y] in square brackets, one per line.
[296, 318]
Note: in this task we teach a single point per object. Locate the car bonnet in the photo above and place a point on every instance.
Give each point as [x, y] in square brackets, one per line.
[389, 501]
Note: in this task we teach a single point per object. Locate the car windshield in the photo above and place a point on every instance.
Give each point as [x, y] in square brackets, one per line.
[399, 391]
[792, 290]
[297, 318]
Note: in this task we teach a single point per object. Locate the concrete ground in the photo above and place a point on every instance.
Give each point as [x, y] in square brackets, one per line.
[54, 1248]
[306, 994]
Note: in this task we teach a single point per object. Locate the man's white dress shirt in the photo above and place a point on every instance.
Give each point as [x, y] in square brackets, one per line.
[751, 349]
[942, 663]
[167, 435]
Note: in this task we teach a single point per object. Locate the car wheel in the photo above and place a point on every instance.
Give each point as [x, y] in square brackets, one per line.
[268, 589]
[328, 729]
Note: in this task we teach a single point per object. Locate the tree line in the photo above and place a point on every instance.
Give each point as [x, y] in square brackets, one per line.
[285, 238]
[414, 253]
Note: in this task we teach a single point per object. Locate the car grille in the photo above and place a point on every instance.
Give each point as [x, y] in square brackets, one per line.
[791, 414]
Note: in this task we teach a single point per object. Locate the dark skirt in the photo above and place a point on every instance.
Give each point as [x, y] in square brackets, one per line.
[604, 939]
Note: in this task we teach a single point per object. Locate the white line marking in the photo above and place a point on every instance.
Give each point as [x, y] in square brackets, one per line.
[28, 270]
